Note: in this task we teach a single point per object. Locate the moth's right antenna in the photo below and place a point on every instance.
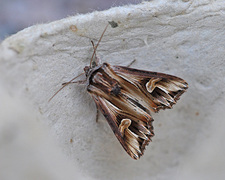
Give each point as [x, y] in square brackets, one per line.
[95, 48]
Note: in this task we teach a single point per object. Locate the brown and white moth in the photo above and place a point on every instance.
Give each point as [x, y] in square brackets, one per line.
[127, 96]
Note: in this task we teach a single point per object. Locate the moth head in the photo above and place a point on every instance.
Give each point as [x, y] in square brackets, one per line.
[86, 70]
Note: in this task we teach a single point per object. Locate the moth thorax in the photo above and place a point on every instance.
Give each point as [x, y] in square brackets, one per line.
[100, 79]
[107, 84]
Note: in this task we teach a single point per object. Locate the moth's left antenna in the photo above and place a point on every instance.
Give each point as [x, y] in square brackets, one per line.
[64, 85]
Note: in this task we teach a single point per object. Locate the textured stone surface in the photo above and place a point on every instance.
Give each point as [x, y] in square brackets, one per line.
[182, 38]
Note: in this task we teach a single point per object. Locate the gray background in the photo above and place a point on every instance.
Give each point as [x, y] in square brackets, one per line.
[16, 15]
[61, 140]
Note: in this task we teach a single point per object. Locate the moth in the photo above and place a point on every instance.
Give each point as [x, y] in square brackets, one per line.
[127, 97]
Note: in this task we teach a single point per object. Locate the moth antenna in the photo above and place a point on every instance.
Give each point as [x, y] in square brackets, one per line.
[95, 47]
[64, 85]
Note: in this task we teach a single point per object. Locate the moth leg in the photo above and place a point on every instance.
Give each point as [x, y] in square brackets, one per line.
[97, 114]
[132, 62]
[78, 82]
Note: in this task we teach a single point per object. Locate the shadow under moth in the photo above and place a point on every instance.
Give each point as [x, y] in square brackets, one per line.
[126, 97]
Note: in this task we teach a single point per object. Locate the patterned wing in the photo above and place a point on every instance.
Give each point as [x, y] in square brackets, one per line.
[133, 133]
[126, 96]
[162, 90]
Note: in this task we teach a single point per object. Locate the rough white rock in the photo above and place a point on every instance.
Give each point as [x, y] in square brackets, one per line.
[183, 38]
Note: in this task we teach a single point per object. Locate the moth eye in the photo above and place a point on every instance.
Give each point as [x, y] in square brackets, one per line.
[151, 84]
[124, 124]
